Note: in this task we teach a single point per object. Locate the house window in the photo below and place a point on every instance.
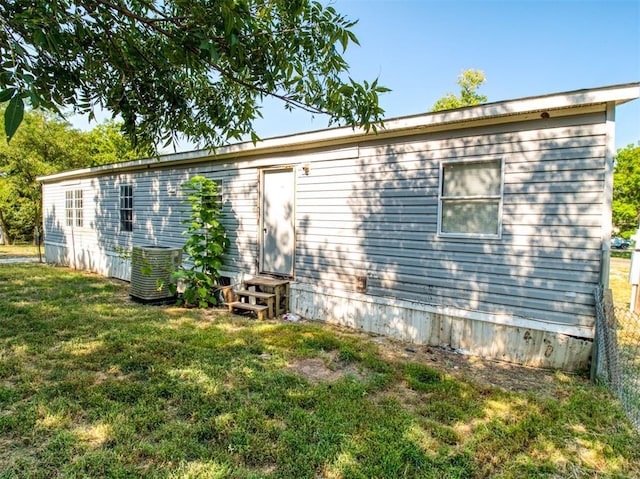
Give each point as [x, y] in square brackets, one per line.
[126, 208]
[68, 207]
[214, 201]
[73, 208]
[470, 200]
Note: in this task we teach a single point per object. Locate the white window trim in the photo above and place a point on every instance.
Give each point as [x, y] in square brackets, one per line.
[77, 212]
[442, 234]
[69, 214]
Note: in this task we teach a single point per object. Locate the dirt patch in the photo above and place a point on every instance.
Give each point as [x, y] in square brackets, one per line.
[101, 377]
[329, 368]
[323, 369]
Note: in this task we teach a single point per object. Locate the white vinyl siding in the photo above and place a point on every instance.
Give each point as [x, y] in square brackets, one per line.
[377, 216]
[158, 216]
[470, 201]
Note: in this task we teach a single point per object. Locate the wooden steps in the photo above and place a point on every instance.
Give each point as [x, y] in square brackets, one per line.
[277, 286]
[255, 294]
[262, 295]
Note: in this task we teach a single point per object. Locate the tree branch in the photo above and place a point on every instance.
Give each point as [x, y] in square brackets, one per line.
[226, 73]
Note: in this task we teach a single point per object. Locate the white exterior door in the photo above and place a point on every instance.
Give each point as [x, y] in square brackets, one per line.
[278, 222]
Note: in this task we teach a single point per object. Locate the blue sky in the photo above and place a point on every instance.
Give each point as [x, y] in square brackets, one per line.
[525, 48]
[419, 47]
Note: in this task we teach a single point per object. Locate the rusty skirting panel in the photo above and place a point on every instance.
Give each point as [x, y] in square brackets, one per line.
[419, 325]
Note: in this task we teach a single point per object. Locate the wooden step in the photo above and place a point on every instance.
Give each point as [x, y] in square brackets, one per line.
[255, 294]
[267, 299]
[259, 309]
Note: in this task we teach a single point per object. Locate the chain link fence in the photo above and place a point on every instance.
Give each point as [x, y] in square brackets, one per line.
[617, 353]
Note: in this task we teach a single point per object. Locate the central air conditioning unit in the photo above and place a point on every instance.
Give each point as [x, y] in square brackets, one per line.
[151, 268]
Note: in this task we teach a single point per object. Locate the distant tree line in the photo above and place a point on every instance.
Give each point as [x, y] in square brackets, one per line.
[42, 146]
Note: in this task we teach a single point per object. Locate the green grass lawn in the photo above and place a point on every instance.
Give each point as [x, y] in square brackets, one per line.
[94, 385]
[23, 250]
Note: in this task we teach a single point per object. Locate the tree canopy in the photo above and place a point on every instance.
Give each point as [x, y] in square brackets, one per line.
[626, 190]
[197, 68]
[469, 81]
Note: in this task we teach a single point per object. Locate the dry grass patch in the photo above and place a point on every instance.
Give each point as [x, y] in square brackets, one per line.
[619, 281]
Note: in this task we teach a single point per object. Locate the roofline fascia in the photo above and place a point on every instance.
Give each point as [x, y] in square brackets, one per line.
[489, 113]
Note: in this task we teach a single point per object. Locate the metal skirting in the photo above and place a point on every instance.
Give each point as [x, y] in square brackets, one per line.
[519, 343]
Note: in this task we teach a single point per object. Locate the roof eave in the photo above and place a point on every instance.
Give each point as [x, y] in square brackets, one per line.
[490, 113]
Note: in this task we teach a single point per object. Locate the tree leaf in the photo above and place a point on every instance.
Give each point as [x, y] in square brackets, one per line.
[5, 95]
[346, 90]
[13, 116]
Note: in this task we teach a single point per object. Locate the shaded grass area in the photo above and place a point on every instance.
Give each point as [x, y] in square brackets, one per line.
[94, 385]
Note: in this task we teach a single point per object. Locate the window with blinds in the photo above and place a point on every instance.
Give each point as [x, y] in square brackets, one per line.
[470, 200]
[126, 208]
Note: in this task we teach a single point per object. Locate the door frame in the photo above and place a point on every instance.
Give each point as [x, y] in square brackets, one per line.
[261, 236]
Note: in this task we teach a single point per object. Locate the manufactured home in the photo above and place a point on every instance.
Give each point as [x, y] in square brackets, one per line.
[483, 228]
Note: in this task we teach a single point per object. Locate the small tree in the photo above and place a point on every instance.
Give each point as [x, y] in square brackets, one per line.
[469, 81]
[206, 243]
[626, 192]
